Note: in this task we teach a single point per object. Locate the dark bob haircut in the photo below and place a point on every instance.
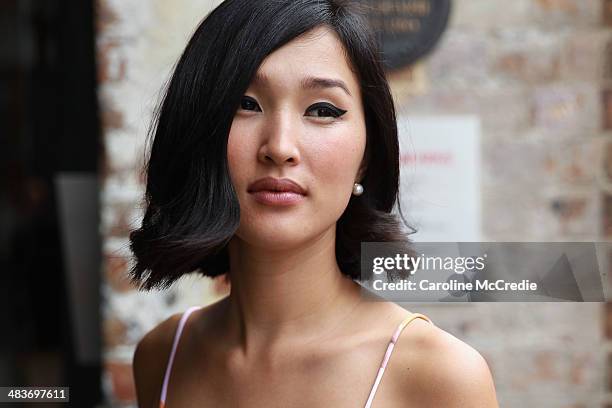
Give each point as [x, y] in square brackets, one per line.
[192, 210]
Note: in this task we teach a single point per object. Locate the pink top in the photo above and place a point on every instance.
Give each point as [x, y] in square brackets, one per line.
[381, 370]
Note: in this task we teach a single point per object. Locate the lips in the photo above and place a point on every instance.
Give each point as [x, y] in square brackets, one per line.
[274, 192]
[272, 184]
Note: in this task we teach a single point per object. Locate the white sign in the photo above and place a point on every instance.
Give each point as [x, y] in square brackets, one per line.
[440, 177]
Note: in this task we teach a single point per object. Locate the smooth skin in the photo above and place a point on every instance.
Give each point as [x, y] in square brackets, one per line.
[294, 332]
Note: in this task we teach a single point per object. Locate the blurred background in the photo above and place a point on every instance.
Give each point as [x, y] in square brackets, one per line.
[509, 110]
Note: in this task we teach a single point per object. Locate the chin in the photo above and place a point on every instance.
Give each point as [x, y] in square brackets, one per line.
[278, 236]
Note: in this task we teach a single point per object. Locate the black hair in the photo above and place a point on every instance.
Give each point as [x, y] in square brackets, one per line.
[191, 207]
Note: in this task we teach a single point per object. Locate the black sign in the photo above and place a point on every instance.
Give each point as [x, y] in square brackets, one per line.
[406, 29]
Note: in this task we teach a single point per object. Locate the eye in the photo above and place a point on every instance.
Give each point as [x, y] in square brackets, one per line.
[326, 110]
[248, 103]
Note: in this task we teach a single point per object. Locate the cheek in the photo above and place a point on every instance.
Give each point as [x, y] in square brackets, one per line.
[238, 155]
[233, 158]
[334, 165]
[336, 161]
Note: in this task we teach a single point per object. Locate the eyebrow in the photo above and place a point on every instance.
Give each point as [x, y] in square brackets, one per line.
[309, 82]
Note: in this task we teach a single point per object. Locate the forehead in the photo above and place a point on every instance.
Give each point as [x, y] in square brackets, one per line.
[317, 53]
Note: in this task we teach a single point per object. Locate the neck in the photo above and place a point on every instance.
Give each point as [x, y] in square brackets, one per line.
[286, 297]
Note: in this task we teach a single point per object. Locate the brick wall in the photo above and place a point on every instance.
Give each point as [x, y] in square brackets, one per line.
[538, 73]
[137, 44]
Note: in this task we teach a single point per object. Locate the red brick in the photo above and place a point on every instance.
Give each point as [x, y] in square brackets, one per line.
[572, 13]
[607, 61]
[577, 214]
[105, 16]
[116, 273]
[112, 66]
[111, 118]
[578, 161]
[584, 56]
[609, 373]
[545, 366]
[606, 100]
[114, 332]
[528, 60]
[607, 162]
[607, 12]
[578, 369]
[608, 317]
[606, 215]
[566, 108]
[121, 225]
[122, 381]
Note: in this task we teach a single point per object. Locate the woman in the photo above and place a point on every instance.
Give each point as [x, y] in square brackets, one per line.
[275, 154]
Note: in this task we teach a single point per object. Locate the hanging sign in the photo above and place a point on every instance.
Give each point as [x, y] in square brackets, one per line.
[406, 29]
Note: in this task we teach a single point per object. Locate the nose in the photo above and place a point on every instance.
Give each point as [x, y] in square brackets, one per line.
[280, 145]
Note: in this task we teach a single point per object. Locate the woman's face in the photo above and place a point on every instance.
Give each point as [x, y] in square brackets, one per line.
[301, 119]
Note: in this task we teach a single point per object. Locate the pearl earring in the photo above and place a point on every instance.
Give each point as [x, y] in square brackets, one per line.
[357, 189]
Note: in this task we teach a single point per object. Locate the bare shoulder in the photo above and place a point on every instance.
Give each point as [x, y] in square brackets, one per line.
[433, 368]
[150, 359]
[152, 354]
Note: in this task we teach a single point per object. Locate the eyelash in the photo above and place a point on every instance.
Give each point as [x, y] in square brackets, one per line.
[334, 111]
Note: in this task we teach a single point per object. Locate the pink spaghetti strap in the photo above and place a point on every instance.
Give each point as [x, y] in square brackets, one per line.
[177, 337]
[387, 356]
